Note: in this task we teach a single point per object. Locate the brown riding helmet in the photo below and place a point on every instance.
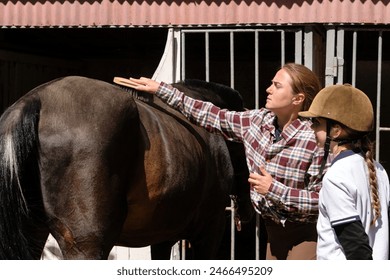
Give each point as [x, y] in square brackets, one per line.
[344, 104]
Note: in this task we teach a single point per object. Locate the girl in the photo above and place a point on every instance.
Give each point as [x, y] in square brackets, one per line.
[281, 151]
[353, 221]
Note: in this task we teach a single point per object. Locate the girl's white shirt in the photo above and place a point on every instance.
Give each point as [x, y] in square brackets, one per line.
[345, 197]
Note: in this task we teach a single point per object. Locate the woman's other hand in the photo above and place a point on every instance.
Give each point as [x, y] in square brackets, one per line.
[260, 182]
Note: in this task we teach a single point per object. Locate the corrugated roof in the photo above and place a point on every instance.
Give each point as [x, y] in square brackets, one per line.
[38, 13]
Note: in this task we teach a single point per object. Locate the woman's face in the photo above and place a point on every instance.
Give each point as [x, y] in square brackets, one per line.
[319, 127]
[280, 94]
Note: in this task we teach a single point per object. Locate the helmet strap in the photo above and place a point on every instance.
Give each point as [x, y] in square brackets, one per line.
[326, 148]
[344, 141]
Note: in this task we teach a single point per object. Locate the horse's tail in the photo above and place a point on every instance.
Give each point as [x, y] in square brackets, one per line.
[19, 146]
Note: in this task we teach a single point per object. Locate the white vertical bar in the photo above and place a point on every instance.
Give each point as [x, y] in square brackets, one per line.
[354, 49]
[257, 235]
[232, 203]
[257, 104]
[257, 94]
[183, 244]
[232, 230]
[378, 97]
[340, 56]
[298, 47]
[207, 49]
[283, 47]
[183, 56]
[330, 43]
[231, 59]
[308, 48]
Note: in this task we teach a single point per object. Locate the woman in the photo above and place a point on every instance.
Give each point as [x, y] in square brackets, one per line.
[353, 222]
[281, 151]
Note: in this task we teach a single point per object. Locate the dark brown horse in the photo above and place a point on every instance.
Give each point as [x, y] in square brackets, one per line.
[87, 162]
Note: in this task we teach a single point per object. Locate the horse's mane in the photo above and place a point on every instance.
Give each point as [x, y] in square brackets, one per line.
[220, 95]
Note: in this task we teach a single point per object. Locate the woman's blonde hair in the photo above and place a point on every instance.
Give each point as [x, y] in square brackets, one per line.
[303, 81]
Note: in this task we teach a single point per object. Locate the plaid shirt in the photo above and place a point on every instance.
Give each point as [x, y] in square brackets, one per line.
[293, 161]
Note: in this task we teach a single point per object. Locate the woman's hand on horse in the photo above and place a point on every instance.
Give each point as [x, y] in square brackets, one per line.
[144, 84]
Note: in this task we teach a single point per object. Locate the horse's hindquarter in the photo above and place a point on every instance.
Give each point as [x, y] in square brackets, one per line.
[85, 129]
[186, 178]
[111, 172]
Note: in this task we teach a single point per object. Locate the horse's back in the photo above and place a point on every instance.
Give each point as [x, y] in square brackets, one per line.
[81, 118]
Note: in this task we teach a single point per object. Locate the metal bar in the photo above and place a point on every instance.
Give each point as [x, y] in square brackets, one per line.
[308, 50]
[257, 82]
[378, 98]
[183, 56]
[283, 48]
[232, 231]
[340, 56]
[298, 47]
[366, 28]
[231, 59]
[238, 30]
[257, 105]
[330, 43]
[257, 234]
[207, 50]
[183, 244]
[354, 49]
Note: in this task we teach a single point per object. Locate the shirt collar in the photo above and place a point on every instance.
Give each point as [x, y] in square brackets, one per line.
[292, 129]
[344, 154]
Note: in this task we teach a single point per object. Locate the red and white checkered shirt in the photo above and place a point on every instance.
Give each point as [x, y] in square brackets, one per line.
[294, 161]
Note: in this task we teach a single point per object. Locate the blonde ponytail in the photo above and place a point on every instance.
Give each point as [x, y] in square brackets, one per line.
[366, 148]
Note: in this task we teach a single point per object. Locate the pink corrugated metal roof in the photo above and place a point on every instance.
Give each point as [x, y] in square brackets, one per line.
[187, 13]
